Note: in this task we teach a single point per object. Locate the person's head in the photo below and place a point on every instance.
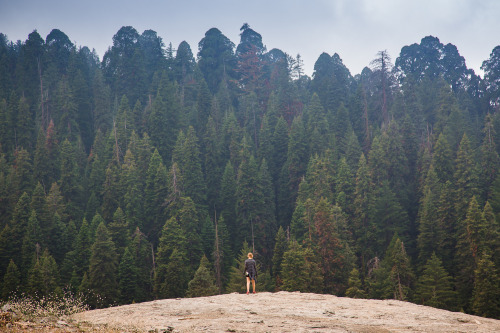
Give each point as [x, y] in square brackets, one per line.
[250, 255]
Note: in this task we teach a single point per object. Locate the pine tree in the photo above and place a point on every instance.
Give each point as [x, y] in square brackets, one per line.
[490, 234]
[489, 159]
[34, 282]
[486, 293]
[387, 215]
[187, 156]
[103, 266]
[173, 245]
[280, 247]
[430, 235]
[155, 194]
[187, 216]
[11, 280]
[249, 201]
[142, 252]
[266, 225]
[111, 191]
[442, 159]
[330, 236]
[435, 286]
[300, 271]
[49, 274]
[227, 202]
[344, 187]
[297, 157]
[316, 121]
[55, 202]
[39, 205]
[163, 122]
[70, 187]
[341, 128]
[25, 124]
[299, 227]
[175, 277]
[212, 165]
[96, 220]
[46, 159]
[19, 225]
[394, 277]
[355, 287]
[203, 282]
[207, 235]
[467, 252]
[31, 241]
[20, 178]
[202, 107]
[465, 177]
[127, 277]
[280, 148]
[119, 231]
[59, 243]
[353, 150]
[363, 229]
[446, 221]
[80, 255]
[401, 274]
[133, 186]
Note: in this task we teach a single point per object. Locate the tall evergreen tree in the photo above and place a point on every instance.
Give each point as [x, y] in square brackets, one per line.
[227, 202]
[187, 156]
[249, 202]
[119, 231]
[465, 177]
[142, 252]
[303, 270]
[203, 282]
[103, 266]
[11, 280]
[280, 247]
[127, 277]
[434, 286]
[486, 294]
[163, 122]
[430, 235]
[355, 287]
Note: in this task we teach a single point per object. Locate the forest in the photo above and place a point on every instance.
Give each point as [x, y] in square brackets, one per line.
[153, 172]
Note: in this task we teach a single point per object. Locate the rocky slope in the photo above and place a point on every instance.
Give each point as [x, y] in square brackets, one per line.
[284, 312]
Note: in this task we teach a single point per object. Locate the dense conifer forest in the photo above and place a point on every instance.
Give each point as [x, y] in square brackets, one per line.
[152, 173]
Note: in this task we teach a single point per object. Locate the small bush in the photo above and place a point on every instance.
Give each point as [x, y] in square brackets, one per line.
[30, 307]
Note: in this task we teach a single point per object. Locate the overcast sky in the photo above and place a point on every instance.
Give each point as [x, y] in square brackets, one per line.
[355, 29]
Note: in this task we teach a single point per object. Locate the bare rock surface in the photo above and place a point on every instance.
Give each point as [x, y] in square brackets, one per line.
[283, 312]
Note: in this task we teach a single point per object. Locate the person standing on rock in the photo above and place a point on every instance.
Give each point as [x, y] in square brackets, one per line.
[250, 272]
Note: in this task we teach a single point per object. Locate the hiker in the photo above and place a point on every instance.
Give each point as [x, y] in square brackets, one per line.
[250, 272]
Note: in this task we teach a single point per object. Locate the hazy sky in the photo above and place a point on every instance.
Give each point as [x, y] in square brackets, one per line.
[355, 29]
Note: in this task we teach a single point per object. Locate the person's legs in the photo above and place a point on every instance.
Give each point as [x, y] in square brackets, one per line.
[253, 285]
[248, 284]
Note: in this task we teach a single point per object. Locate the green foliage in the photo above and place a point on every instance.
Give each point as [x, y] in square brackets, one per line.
[103, 266]
[394, 277]
[127, 277]
[300, 270]
[203, 282]
[280, 247]
[435, 286]
[486, 294]
[164, 150]
[11, 280]
[355, 287]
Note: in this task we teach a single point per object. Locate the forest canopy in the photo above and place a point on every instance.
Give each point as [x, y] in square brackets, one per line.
[152, 173]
